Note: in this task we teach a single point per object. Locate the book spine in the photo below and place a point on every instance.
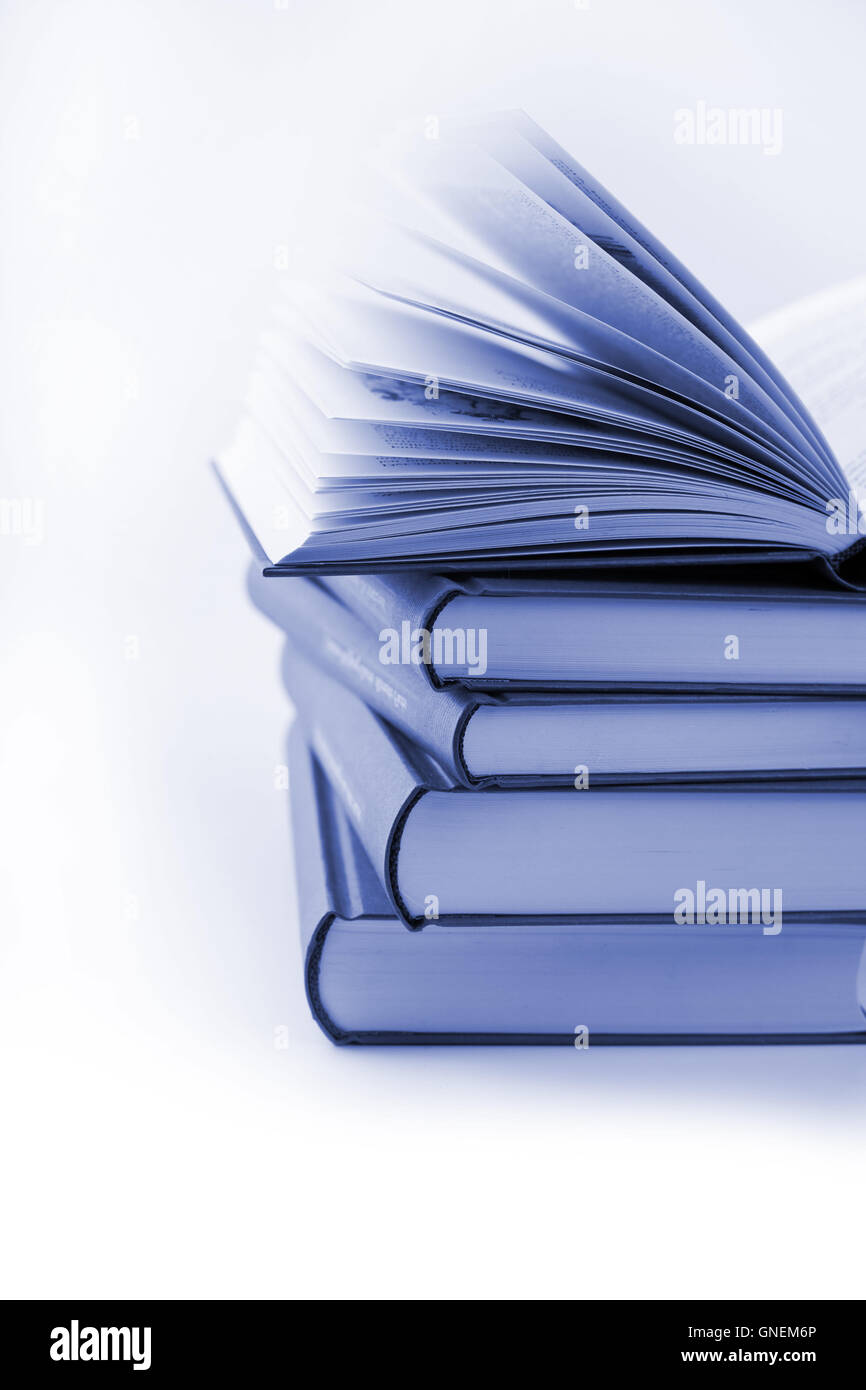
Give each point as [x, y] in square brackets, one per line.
[377, 779]
[315, 870]
[329, 877]
[347, 648]
[388, 601]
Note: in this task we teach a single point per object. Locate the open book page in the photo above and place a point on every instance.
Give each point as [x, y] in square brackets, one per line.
[819, 343]
[535, 397]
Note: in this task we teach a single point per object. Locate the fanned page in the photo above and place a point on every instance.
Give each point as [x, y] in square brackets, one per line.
[493, 364]
[820, 344]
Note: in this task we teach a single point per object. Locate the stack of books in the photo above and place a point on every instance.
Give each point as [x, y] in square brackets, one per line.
[568, 578]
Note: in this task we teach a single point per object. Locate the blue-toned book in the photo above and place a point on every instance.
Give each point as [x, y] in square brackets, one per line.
[549, 982]
[445, 853]
[494, 632]
[496, 365]
[541, 738]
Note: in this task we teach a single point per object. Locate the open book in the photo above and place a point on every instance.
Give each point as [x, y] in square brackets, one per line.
[499, 366]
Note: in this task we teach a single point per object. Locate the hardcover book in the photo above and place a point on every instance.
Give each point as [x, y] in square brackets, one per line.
[519, 631]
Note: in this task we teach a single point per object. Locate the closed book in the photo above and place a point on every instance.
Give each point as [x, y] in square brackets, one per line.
[557, 632]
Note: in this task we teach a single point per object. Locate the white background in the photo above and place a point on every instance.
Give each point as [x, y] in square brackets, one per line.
[154, 157]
